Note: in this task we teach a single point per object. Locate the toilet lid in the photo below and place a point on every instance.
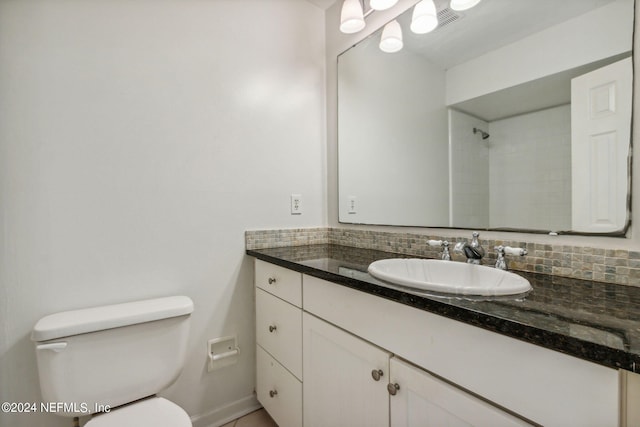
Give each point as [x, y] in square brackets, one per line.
[152, 412]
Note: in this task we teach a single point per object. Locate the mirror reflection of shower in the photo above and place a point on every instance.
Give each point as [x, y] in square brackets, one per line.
[484, 134]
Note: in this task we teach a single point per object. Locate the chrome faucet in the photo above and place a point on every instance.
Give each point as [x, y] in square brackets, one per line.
[473, 251]
[445, 248]
[501, 251]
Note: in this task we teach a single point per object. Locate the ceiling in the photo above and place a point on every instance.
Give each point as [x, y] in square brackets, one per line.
[490, 25]
[322, 4]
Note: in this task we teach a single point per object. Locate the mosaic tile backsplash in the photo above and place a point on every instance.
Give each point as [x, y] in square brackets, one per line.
[579, 262]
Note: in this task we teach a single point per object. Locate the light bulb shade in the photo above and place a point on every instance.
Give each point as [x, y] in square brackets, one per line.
[424, 18]
[463, 4]
[382, 4]
[351, 17]
[391, 40]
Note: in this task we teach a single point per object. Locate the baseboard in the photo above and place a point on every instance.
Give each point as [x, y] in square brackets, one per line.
[220, 416]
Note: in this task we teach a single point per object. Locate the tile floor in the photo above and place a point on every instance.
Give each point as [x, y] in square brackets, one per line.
[258, 418]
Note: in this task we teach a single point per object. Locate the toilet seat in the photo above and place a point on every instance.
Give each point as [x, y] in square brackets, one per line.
[151, 412]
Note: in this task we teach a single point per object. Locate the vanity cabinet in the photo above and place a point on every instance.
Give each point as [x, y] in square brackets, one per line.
[540, 385]
[279, 342]
[331, 355]
[351, 382]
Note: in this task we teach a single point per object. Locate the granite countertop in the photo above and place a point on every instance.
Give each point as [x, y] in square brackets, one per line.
[595, 321]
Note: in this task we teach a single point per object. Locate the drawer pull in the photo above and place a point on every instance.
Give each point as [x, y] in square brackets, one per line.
[376, 374]
[393, 388]
[272, 328]
[273, 393]
[272, 280]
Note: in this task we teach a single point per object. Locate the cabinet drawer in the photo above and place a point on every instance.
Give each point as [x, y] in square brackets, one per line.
[279, 330]
[279, 281]
[278, 391]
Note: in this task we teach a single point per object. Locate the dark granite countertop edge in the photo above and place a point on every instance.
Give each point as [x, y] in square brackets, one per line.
[600, 354]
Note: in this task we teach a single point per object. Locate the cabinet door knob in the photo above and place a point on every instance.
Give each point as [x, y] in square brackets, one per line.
[272, 280]
[273, 393]
[393, 388]
[376, 374]
[272, 328]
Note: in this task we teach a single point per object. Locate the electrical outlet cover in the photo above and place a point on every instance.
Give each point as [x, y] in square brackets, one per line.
[296, 204]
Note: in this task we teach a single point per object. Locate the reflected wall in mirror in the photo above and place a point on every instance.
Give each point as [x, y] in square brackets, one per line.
[515, 114]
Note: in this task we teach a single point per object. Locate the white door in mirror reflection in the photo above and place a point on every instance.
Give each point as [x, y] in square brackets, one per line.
[600, 135]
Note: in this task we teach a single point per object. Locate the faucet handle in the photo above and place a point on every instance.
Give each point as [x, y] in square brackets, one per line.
[508, 250]
[501, 262]
[446, 256]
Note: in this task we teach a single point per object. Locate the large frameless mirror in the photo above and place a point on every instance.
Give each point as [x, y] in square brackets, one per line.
[515, 114]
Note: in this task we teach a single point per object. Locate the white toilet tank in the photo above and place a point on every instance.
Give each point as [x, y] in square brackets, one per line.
[111, 355]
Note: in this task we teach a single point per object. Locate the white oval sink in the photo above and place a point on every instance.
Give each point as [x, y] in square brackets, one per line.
[449, 277]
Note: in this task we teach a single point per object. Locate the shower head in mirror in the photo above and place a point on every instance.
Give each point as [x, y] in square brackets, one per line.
[484, 134]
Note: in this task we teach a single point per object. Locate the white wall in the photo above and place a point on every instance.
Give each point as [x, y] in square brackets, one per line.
[530, 170]
[336, 43]
[374, 155]
[138, 141]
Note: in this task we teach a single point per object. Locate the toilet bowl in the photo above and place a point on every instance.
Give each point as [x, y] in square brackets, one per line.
[110, 361]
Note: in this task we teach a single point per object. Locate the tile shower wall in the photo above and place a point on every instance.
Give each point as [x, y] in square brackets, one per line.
[526, 162]
[580, 262]
[469, 171]
[530, 170]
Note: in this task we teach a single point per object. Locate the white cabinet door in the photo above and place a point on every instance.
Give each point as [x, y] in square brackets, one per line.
[339, 388]
[422, 400]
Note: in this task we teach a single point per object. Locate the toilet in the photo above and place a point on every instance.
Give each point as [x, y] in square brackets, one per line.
[110, 361]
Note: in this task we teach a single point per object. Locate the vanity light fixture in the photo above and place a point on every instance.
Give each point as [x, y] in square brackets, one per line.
[463, 4]
[425, 17]
[391, 40]
[351, 17]
[382, 4]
